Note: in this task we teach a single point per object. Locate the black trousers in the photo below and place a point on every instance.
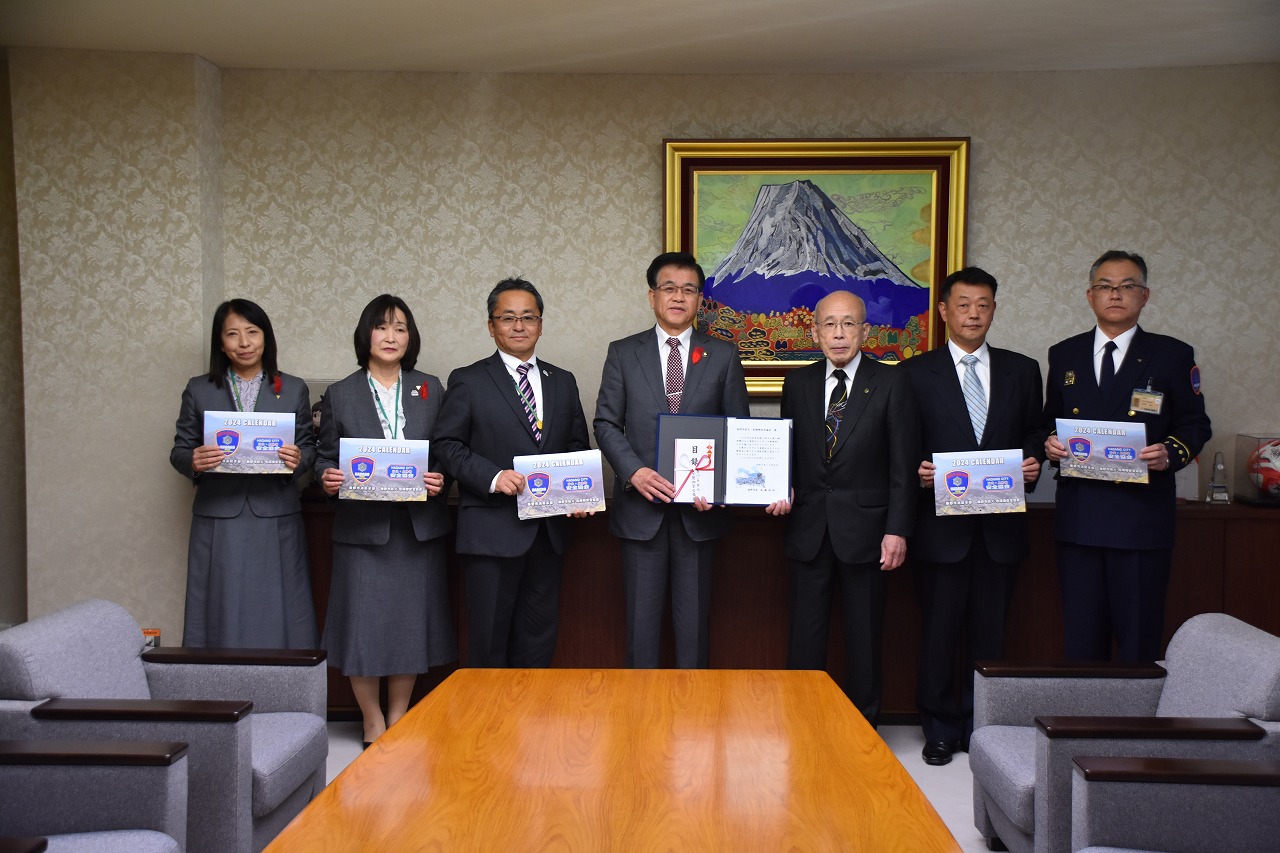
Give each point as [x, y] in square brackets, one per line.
[962, 614]
[1113, 593]
[513, 606]
[862, 593]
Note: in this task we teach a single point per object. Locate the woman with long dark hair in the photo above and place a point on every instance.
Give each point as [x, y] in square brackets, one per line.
[247, 577]
[389, 609]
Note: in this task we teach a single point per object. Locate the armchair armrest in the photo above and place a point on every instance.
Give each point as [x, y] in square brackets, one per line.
[1013, 694]
[273, 679]
[1173, 803]
[1059, 740]
[220, 735]
[54, 787]
[1068, 669]
[1178, 771]
[24, 845]
[236, 657]
[91, 752]
[1165, 728]
[143, 710]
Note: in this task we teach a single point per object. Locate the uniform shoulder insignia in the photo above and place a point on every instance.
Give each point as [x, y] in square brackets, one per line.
[1195, 378]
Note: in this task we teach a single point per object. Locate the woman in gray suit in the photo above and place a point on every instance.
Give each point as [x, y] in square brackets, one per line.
[247, 579]
[389, 612]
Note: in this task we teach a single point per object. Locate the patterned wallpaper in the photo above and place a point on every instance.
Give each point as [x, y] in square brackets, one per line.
[334, 187]
[110, 238]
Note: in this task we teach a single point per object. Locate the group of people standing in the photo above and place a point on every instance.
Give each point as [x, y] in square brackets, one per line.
[863, 436]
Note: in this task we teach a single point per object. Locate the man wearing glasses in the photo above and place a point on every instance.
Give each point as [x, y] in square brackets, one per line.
[509, 404]
[856, 442]
[1115, 540]
[670, 367]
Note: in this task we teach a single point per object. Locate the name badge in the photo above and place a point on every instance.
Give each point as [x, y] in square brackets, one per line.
[1146, 400]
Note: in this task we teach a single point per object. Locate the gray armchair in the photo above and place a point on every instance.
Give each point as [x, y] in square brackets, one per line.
[1216, 697]
[254, 719]
[1175, 805]
[99, 796]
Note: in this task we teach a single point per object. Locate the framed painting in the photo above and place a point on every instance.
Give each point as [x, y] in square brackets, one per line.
[778, 224]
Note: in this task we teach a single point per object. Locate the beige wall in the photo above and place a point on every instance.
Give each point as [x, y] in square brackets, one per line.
[333, 187]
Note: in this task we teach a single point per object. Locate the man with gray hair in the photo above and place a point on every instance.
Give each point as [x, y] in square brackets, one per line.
[1115, 540]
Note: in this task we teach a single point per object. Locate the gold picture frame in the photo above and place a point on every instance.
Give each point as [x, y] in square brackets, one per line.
[777, 224]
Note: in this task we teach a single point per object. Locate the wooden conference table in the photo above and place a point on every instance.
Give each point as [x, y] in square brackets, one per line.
[634, 760]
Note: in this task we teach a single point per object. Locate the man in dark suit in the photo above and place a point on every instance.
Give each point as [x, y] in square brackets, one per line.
[856, 444]
[509, 404]
[1115, 540]
[971, 397]
[669, 368]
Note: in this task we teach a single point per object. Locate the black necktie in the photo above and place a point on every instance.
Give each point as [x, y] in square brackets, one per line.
[835, 410]
[1108, 372]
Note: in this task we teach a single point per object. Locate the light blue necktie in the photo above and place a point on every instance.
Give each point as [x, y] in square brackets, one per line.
[974, 397]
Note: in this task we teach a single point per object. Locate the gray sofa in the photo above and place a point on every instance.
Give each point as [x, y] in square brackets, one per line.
[254, 719]
[1217, 696]
[95, 796]
[1174, 805]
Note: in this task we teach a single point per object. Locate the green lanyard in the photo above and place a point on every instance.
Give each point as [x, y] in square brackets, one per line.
[392, 425]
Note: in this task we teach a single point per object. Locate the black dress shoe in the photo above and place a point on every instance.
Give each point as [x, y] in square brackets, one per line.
[937, 752]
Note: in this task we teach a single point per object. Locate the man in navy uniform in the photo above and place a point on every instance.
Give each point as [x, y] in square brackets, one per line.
[971, 397]
[1115, 540]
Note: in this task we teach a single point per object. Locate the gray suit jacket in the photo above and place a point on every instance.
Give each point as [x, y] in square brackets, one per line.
[632, 395]
[224, 495]
[347, 410]
[482, 426]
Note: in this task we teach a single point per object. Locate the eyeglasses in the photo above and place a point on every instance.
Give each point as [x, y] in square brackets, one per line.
[1122, 289]
[846, 326]
[672, 290]
[506, 321]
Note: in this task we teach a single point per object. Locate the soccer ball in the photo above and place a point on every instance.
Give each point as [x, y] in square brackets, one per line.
[1264, 468]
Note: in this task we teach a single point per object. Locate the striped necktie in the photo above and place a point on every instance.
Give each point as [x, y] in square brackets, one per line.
[530, 402]
[974, 397]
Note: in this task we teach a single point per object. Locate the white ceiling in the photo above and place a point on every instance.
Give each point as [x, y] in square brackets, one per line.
[663, 36]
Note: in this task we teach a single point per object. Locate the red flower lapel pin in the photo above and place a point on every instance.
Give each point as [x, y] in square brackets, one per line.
[420, 391]
[697, 354]
[276, 385]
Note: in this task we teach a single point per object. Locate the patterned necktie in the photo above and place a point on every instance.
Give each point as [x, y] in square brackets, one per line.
[675, 376]
[530, 402]
[974, 397]
[835, 410]
[1108, 371]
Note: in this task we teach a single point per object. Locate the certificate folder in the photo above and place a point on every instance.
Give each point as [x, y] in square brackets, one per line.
[726, 460]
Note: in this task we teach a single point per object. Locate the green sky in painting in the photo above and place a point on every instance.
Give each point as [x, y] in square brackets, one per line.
[890, 207]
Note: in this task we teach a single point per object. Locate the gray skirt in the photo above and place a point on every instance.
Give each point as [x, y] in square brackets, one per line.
[389, 610]
[248, 585]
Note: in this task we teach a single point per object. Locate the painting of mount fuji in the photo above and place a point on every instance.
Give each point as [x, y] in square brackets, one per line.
[774, 241]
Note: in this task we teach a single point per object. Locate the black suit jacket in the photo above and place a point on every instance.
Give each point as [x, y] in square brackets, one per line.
[868, 488]
[1013, 421]
[1126, 515]
[482, 427]
[347, 410]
